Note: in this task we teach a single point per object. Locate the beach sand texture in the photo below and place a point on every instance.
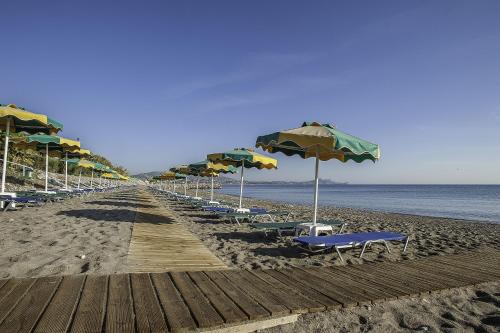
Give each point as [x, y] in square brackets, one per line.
[51, 240]
[77, 235]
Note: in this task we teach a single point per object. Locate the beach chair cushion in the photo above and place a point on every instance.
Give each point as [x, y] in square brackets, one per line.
[342, 240]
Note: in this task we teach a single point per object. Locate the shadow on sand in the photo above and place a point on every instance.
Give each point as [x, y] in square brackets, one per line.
[117, 215]
[119, 204]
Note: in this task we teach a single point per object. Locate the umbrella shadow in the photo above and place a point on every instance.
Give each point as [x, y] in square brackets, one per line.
[248, 237]
[119, 204]
[282, 251]
[117, 215]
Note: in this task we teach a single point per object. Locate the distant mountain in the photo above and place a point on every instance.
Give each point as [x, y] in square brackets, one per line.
[147, 175]
[230, 181]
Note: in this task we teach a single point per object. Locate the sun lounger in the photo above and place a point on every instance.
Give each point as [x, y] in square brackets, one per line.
[359, 239]
[280, 227]
[10, 202]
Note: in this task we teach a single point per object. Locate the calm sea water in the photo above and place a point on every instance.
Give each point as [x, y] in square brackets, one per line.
[472, 202]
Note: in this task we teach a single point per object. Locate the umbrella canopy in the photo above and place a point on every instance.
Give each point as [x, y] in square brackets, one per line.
[321, 141]
[182, 169]
[73, 154]
[15, 119]
[81, 163]
[169, 175]
[21, 120]
[53, 145]
[209, 169]
[244, 158]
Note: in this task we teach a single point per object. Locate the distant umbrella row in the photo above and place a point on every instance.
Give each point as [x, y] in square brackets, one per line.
[38, 132]
[312, 139]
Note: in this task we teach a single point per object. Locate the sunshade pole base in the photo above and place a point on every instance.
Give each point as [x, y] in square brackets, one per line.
[185, 185]
[241, 182]
[316, 187]
[5, 153]
[197, 183]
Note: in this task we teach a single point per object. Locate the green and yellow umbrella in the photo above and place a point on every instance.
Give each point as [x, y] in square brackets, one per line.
[15, 119]
[182, 169]
[170, 175]
[208, 169]
[70, 154]
[244, 158]
[321, 141]
[82, 164]
[52, 145]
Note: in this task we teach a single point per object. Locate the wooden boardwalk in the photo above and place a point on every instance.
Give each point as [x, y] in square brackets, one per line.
[204, 300]
[160, 244]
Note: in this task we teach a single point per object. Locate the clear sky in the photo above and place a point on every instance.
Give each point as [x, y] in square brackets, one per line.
[150, 84]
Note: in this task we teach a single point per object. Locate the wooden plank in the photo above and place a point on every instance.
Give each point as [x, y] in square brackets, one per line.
[25, 315]
[304, 290]
[148, 312]
[7, 287]
[90, 313]
[223, 304]
[2, 283]
[404, 281]
[14, 292]
[179, 318]
[406, 288]
[159, 243]
[424, 278]
[57, 317]
[361, 296]
[203, 312]
[476, 269]
[310, 304]
[289, 300]
[269, 303]
[351, 282]
[320, 286]
[252, 308]
[371, 280]
[436, 270]
[120, 312]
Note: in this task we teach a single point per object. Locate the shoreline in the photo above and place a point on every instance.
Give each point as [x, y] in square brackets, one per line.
[367, 210]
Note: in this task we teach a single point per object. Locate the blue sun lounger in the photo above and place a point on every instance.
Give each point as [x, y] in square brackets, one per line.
[341, 241]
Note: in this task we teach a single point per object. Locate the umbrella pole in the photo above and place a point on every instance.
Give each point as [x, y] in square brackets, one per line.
[92, 179]
[212, 190]
[66, 172]
[241, 180]
[316, 187]
[46, 167]
[185, 185]
[174, 185]
[196, 192]
[5, 152]
[79, 178]
[100, 179]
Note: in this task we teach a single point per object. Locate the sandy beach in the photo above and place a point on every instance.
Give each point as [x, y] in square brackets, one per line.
[243, 247]
[78, 235]
[51, 240]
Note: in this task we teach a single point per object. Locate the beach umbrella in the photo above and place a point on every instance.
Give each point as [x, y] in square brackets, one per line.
[52, 145]
[182, 169]
[15, 119]
[322, 142]
[208, 169]
[75, 153]
[244, 158]
[170, 175]
[81, 163]
[102, 170]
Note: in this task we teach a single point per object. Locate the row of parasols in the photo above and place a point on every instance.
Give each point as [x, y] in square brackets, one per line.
[311, 140]
[38, 132]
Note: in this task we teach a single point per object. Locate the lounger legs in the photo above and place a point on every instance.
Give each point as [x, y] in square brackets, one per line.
[406, 244]
[338, 252]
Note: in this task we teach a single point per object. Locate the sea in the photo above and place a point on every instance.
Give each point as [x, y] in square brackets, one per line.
[470, 202]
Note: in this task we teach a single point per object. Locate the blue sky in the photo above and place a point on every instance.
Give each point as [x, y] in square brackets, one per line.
[150, 84]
